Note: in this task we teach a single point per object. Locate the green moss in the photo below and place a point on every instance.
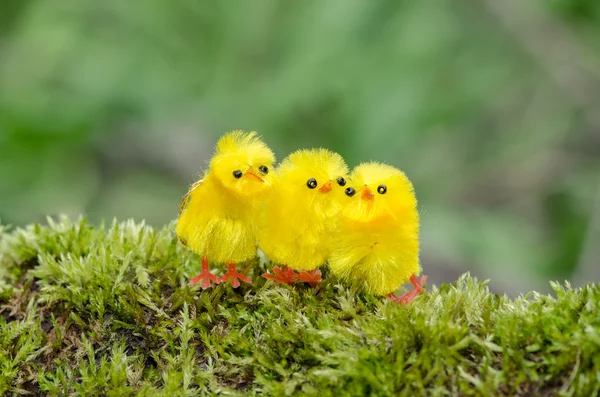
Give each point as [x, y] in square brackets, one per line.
[107, 311]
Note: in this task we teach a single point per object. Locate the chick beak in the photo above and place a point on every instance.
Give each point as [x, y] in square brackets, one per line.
[366, 194]
[252, 175]
[326, 188]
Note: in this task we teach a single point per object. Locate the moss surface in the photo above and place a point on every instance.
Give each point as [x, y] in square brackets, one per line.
[107, 311]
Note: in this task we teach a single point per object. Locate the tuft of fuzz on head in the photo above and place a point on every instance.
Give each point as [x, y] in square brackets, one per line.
[242, 163]
[374, 172]
[318, 163]
[311, 176]
[249, 142]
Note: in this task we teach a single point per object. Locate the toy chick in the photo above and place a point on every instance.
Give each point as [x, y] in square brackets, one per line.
[218, 215]
[298, 216]
[376, 239]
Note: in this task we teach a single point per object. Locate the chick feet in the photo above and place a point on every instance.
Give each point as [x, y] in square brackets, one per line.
[206, 276]
[286, 275]
[408, 297]
[313, 277]
[235, 276]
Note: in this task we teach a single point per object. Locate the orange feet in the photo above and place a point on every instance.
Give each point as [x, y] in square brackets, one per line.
[285, 275]
[313, 277]
[408, 297]
[206, 276]
[235, 276]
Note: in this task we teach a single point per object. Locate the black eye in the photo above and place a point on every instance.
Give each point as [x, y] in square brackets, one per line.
[341, 181]
[263, 169]
[311, 183]
[237, 174]
[381, 189]
[350, 192]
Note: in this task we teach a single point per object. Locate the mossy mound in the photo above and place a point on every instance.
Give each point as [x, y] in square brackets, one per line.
[107, 311]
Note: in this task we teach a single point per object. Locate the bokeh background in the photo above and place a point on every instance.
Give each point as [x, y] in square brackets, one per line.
[111, 108]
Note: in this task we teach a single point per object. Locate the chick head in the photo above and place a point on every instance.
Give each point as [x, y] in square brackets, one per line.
[378, 191]
[242, 163]
[316, 177]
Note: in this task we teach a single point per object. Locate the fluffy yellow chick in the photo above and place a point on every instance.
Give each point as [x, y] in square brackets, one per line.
[377, 235]
[218, 215]
[299, 215]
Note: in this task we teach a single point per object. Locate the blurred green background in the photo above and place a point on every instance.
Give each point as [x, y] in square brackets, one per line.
[492, 108]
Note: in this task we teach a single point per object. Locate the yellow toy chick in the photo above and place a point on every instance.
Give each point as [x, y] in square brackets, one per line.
[218, 216]
[377, 234]
[299, 215]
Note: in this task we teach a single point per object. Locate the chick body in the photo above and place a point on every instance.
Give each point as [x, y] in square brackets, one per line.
[376, 238]
[219, 214]
[299, 215]
[218, 225]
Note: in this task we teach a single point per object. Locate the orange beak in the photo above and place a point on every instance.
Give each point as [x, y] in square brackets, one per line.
[366, 194]
[326, 188]
[250, 174]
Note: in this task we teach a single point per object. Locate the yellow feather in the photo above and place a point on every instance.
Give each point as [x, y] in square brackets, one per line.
[297, 220]
[376, 238]
[218, 215]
